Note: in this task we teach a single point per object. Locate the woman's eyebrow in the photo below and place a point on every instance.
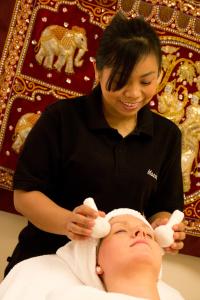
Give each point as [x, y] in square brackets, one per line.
[149, 73]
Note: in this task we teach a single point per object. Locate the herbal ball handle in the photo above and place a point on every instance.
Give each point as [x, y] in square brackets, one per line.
[101, 227]
[90, 202]
[164, 233]
[176, 217]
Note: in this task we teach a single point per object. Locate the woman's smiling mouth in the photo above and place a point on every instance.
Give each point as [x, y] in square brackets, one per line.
[130, 105]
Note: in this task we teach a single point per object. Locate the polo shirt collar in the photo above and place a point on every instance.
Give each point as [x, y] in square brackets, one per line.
[144, 122]
[94, 110]
[96, 119]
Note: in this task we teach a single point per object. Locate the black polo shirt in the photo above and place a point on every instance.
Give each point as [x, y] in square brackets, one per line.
[72, 153]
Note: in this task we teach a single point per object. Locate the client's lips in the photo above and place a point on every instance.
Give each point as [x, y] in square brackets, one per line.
[139, 241]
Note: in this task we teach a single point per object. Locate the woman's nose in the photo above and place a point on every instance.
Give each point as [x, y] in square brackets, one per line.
[133, 91]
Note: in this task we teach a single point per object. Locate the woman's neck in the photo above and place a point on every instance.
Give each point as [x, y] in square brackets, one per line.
[123, 126]
[143, 285]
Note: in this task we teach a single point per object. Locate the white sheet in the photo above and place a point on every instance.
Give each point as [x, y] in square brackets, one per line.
[34, 278]
[89, 293]
[48, 277]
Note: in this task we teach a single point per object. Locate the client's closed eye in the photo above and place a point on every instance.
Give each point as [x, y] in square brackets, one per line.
[120, 231]
[150, 235]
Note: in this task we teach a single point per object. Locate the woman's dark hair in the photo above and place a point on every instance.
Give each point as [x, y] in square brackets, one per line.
[124, 42]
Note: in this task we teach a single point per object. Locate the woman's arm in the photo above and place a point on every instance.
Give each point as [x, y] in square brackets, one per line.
[159, 215]
[48, 216]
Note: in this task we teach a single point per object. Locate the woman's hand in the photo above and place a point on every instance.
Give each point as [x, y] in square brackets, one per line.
[80, 222]
[179, 234]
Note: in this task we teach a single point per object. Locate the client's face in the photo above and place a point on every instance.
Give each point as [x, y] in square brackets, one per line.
[129, 245]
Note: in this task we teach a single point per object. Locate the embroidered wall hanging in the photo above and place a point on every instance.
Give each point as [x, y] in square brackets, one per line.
[31, 77]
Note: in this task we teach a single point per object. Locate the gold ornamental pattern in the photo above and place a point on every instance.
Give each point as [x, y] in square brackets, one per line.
[189, 7]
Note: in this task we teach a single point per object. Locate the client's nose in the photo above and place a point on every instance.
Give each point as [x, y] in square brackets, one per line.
[139, 232]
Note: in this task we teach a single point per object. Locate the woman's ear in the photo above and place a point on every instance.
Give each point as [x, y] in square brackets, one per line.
[160, 75]
[99, 270]
[96, 72]
[159, 79]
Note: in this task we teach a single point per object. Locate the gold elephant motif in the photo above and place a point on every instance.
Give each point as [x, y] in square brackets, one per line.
[22, 129]
[62, 43]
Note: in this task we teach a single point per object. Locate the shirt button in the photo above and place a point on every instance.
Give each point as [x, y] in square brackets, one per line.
[120, 150]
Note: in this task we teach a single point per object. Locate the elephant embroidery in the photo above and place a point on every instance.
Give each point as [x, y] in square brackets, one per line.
[60, 42]
[22, 129]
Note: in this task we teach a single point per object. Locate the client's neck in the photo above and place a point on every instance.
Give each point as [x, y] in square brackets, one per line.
[141, 284]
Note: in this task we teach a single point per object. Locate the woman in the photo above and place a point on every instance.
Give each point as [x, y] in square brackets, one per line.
[107, 145]
[125, 264]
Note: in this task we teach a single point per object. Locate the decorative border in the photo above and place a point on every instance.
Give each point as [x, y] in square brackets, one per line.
[188, 7]
[191, 30]
[6, 178]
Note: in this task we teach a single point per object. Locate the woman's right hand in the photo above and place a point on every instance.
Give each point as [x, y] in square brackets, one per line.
[80, 222]
[50, 217]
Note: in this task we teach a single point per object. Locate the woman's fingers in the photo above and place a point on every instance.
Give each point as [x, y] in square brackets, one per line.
[81, 221]
[158, 222]
[179, 236]
[77, 232]
[179, 227]
[86, 211]
[175, 247]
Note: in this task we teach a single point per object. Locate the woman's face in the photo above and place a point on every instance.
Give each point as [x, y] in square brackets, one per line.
[129, 245]
[139, 90]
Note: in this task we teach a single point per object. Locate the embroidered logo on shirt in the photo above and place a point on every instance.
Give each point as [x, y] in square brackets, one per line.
[152, 174]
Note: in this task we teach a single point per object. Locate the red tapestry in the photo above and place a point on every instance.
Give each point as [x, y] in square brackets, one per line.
[30, 78]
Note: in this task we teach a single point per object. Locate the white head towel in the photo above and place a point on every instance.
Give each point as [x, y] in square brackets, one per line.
[81, 255]
[81, 259]
[127, 211]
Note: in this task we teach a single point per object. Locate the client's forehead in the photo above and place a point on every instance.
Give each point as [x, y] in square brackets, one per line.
[128, 220]
[125, 219]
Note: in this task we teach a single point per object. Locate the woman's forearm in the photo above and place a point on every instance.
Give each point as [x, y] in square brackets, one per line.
[42, 211]
[159, 215]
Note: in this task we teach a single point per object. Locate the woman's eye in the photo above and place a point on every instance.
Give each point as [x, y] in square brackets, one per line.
[146, 82]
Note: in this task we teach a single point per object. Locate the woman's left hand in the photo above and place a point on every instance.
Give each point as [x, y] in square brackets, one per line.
[179, 233]
[179, 236]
